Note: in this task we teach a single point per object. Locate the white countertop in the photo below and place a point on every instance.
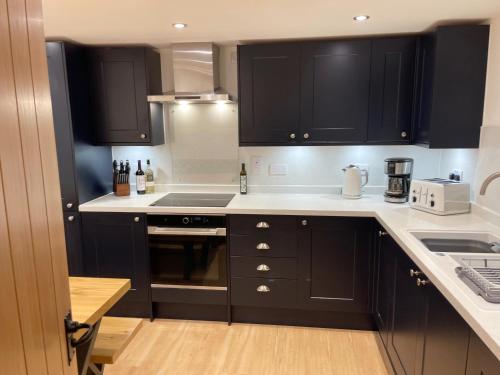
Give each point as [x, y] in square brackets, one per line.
[398, 220]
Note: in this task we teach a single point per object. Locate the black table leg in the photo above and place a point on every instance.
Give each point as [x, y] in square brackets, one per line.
[84, 351]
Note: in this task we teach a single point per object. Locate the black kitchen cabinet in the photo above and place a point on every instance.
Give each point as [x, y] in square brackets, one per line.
[121, 78]
[269, 94]
[335, 77]
[452, 80]
[385, 267]
[333, 263]
[115, 245]
[405, 340]
[392, 86]
[82, 175]
[480, 360]
[446, 336]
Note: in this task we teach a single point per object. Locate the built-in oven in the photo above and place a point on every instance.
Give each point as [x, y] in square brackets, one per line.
[188, 252]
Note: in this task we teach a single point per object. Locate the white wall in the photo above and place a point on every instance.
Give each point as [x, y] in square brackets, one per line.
[489, 150]
[202, 148]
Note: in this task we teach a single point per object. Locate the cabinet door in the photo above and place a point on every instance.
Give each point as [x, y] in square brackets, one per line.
[406, 339]
[63, 128]
[115, 245]
[391, 90]
[269, 94]
[73, 235]
[119, 92]
[333, 263]
[480, 360]
[335, 91]
[446, 337]
[425, 93]
[385, 273]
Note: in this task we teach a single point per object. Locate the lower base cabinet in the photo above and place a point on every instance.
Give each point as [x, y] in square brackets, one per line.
[115, 245]
[422, 333]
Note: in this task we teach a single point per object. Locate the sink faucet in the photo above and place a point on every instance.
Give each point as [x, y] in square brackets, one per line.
[488, 181]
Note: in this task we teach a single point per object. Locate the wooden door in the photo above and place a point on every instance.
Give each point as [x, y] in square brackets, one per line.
[335, 90]
[269, 94]
[115, 245]
[33, 270]
[334, 256]
[392, 90]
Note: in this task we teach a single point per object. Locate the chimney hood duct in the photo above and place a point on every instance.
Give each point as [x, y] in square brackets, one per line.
[196, 75]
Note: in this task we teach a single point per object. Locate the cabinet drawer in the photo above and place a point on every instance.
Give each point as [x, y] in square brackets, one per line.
[284, 268]
[257, 224]
[264, 245]
[263, 292]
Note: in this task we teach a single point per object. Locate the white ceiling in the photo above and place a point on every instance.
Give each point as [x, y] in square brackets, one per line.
[150, 21]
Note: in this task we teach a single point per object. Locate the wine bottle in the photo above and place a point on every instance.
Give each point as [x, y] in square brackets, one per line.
[140, 179]
[243, 179]
[150, 180]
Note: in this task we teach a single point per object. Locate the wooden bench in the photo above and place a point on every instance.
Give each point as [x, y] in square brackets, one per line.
[112, 338]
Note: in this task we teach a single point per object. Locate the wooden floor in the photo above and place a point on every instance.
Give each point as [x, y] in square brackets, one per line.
[191, 347]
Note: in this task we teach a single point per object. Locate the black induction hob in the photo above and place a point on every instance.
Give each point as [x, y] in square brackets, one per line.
[194, 200]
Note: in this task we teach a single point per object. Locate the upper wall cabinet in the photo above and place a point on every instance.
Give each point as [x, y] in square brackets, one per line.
[452, 78]
[269, 94]
[425, 89]
[334, 92]
[392, 86]
[121, 78]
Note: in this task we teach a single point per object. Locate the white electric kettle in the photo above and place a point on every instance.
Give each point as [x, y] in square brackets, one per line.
[353, 181]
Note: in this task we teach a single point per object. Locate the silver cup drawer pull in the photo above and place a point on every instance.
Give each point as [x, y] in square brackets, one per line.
[262, 225]
[263, 246]
[263, 289]
[263, 268]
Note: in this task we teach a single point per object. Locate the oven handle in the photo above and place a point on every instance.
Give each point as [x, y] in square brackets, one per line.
[169, 231]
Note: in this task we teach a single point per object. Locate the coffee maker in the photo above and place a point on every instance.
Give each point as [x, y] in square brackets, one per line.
[398, 171]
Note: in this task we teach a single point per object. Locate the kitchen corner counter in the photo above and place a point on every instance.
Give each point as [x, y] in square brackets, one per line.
[397, 219]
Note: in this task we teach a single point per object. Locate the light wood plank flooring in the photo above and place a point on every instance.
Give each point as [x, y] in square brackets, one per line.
[192, 348]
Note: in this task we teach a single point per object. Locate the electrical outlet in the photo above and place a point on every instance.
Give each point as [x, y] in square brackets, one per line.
[257, 163]
[457, 174]
[278, 169]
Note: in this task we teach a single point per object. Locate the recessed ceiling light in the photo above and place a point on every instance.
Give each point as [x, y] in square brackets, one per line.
[179, 25]
[361, 18]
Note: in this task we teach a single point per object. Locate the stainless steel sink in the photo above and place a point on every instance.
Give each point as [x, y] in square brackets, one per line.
[459, 242]
[442, 245]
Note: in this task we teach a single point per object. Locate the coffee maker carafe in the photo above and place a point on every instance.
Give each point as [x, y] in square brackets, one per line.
[398, 171]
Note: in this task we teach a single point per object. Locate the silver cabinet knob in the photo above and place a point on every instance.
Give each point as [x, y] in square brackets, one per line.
[263, 225]
[403, 134]
[137, 219]
[306, 135]
[143, 135]
[263, 246]
[381, 233]
[292, 136]
[304, 222]
[69, 205]
[71, 218]
[422, 282]
[263, 268]
[263, 289]
[414, 273]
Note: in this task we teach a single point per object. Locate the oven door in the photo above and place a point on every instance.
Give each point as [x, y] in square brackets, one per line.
[191, 258]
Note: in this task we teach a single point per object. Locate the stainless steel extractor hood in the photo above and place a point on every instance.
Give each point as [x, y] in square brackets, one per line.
[196, 75]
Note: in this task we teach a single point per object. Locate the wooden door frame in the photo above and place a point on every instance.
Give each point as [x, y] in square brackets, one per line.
[34, 275]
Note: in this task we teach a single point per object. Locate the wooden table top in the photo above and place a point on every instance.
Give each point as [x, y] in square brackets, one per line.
[92, 297]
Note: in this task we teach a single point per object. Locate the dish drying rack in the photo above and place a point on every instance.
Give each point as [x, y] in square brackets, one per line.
[482, 275]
